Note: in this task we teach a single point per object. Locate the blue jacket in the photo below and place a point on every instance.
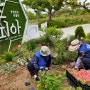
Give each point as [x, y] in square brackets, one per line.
[40, 62]
[85, 48]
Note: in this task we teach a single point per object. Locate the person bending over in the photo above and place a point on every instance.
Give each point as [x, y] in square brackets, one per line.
[41, 60]
[83, 50]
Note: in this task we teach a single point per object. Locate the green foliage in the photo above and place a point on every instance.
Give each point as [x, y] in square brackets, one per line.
[30, 15]
[31, 44]
[41, 5]
[53, 34]
[70, 56]
[78, 88]
[50, 81]
[22, 51]
[79, 32]
[62, 22]
[60, 48]
[72, 37]
[9, 56]
[88, 36]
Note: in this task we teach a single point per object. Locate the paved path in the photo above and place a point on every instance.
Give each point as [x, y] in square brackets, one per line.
[71, 30]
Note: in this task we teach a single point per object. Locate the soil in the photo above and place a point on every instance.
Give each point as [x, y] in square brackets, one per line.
[18, 79]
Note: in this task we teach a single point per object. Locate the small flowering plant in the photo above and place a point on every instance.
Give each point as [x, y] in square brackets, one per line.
[80, 75]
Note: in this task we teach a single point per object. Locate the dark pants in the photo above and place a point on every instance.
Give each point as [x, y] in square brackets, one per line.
[86, 62]
[32, 69]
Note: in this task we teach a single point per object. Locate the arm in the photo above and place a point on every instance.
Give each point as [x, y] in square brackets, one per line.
[77, 64]
[35, 62]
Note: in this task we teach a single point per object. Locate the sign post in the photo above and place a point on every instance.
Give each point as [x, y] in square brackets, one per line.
[12, 24]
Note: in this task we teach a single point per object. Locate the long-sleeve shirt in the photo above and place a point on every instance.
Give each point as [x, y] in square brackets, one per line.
[41, 62]
[78, 62]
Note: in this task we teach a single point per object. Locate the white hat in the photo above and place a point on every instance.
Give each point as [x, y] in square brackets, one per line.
[75, 44]
[44, 51]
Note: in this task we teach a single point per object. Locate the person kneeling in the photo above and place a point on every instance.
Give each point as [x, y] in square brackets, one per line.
[41, 60]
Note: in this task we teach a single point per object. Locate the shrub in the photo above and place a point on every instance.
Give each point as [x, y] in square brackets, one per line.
[79, 32]
[9, 56]
[53, 34]
[31, 15]
[71, 56]
[31, 44]
[88, 36]
[50, 81]
[60, 48]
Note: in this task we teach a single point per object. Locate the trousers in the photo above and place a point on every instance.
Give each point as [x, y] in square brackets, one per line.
[86, 62]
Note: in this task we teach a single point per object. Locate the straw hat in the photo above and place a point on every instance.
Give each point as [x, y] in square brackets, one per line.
[75, 44]
[44, 51]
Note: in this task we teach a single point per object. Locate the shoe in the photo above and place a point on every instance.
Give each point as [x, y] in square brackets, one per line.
[27, 83]
[37, 79]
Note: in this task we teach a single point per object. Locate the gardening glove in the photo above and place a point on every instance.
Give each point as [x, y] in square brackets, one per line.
[46, 68]
[42, 68]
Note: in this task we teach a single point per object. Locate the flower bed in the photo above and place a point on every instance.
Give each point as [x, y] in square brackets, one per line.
[79, 78]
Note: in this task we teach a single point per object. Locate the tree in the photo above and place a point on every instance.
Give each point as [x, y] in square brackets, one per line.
[85, 4]
[79, 32]
[48, 6]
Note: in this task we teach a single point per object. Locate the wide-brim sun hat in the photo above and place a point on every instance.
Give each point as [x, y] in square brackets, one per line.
[44, 51]
[75, 44]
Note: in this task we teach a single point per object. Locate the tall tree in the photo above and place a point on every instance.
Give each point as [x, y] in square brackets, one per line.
[48, 6]
[84, 4]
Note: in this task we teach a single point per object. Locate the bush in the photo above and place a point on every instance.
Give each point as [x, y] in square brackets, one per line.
[70, 56]
[31, 44]
[50, 81]
[60, 49]
[60, 23]
[53, 34]
[79, 32]
[88, 36]
[9, 56]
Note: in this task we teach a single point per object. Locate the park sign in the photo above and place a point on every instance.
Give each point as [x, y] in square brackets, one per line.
[12, 24]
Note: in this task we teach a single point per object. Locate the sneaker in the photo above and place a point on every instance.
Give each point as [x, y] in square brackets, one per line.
[37, 79]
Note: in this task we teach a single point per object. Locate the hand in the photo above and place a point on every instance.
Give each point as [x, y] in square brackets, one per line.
[42, 68]
[76, 68]
[46, 68]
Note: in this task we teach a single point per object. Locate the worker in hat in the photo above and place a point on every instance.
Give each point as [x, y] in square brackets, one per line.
[41, 60]
[83, 53]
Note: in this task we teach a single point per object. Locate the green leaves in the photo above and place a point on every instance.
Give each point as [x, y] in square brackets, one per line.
[79, 32]
[50, 81]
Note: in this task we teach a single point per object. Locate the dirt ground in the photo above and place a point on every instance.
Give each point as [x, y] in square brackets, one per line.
[17, 80]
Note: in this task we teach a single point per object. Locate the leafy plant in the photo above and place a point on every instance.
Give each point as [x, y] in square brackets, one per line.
[9, 56]
[70, 56]
[88, 36]
[31, 44]
[50, 81]
[79, 32]
[60, 48]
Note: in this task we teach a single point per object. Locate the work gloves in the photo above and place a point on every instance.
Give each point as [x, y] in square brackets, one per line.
[44, 68]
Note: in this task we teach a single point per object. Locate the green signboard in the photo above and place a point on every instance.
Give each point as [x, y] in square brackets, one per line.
[12, 26]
